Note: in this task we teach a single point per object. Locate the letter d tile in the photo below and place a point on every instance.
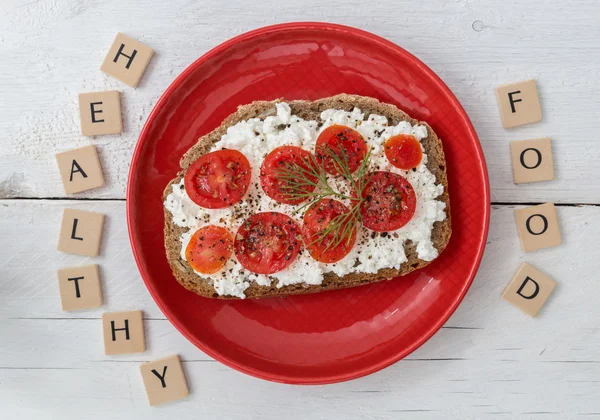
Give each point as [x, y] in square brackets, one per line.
[529, 289]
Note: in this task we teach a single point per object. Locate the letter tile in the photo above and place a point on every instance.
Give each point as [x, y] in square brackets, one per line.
[123, 332]
[164, 380]
[532, 160]
[80, 287]
[519, 103]
[127, 60]
[80, 232]
[529, 289]
[100, 113]
[80, 169]
[538, 227]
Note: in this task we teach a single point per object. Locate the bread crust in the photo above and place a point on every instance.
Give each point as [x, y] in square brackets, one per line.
[309, 110]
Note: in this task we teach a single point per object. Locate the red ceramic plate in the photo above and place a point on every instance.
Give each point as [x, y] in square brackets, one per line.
[332, 336]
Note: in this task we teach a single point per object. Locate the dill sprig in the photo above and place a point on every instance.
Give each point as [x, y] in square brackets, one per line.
[309, 181]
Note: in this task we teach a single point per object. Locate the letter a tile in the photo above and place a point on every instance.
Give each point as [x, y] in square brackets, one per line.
[123, 332]
[529, 289]
[519, 103]
[164, 380]
[127, 60]
[80, 169]
[100, 113]
[538, 227]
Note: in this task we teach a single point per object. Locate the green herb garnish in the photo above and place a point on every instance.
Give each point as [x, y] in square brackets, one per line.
[299, 179]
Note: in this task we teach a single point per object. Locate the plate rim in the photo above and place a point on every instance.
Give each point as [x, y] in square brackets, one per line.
[232, 363]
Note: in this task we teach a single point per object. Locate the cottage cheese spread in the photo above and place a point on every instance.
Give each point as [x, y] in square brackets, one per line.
[255, 138]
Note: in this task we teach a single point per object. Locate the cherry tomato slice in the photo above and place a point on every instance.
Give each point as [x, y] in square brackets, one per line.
[209, 249]
[340, 139]
[390, 202]
[270, 174]
[316, 219]
[267, 242]
[403, 151]
[218, 179]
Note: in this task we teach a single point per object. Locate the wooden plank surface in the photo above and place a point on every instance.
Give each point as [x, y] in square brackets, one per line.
[52, 50]
[489, 358]
[489, 361]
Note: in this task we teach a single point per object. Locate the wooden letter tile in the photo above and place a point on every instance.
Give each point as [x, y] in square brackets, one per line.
[532, 160]
[79, 287]
[127, 59]
[538, 227]
[123, 332]
[164, 380]
[80, 232]
[519, 103]
[529, 289]
[80, 169]
[100, 113]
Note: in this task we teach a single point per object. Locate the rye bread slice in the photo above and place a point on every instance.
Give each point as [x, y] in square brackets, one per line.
[309, 110]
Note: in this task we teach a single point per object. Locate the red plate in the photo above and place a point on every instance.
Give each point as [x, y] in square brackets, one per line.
[332, 336]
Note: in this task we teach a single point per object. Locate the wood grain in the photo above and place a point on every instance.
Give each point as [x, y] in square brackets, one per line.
[489, 358]
[488, 361]
[52, 50]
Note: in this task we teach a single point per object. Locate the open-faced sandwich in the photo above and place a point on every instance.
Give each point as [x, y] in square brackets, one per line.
[290, 197]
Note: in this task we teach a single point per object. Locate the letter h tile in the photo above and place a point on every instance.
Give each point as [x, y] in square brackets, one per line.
[123, 332]
[127, 59]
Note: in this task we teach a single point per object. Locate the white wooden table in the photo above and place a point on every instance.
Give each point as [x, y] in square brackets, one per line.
[490, 360]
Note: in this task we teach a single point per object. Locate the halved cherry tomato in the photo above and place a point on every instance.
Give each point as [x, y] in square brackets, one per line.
[218, 179]
[267, 242]
[209, 249]
[403, 151]
[340, 140]
[270, 174]
[316, 219]
[390, 202]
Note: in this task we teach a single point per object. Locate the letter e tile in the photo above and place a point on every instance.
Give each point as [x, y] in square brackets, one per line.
[519, 103]
[80, 232]
[529, 289]
[100, 113]
[538, 227]
[123, 332]
[127, 60]
[164, 380]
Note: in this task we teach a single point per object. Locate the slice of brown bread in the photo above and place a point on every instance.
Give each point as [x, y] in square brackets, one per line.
[310, 111]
